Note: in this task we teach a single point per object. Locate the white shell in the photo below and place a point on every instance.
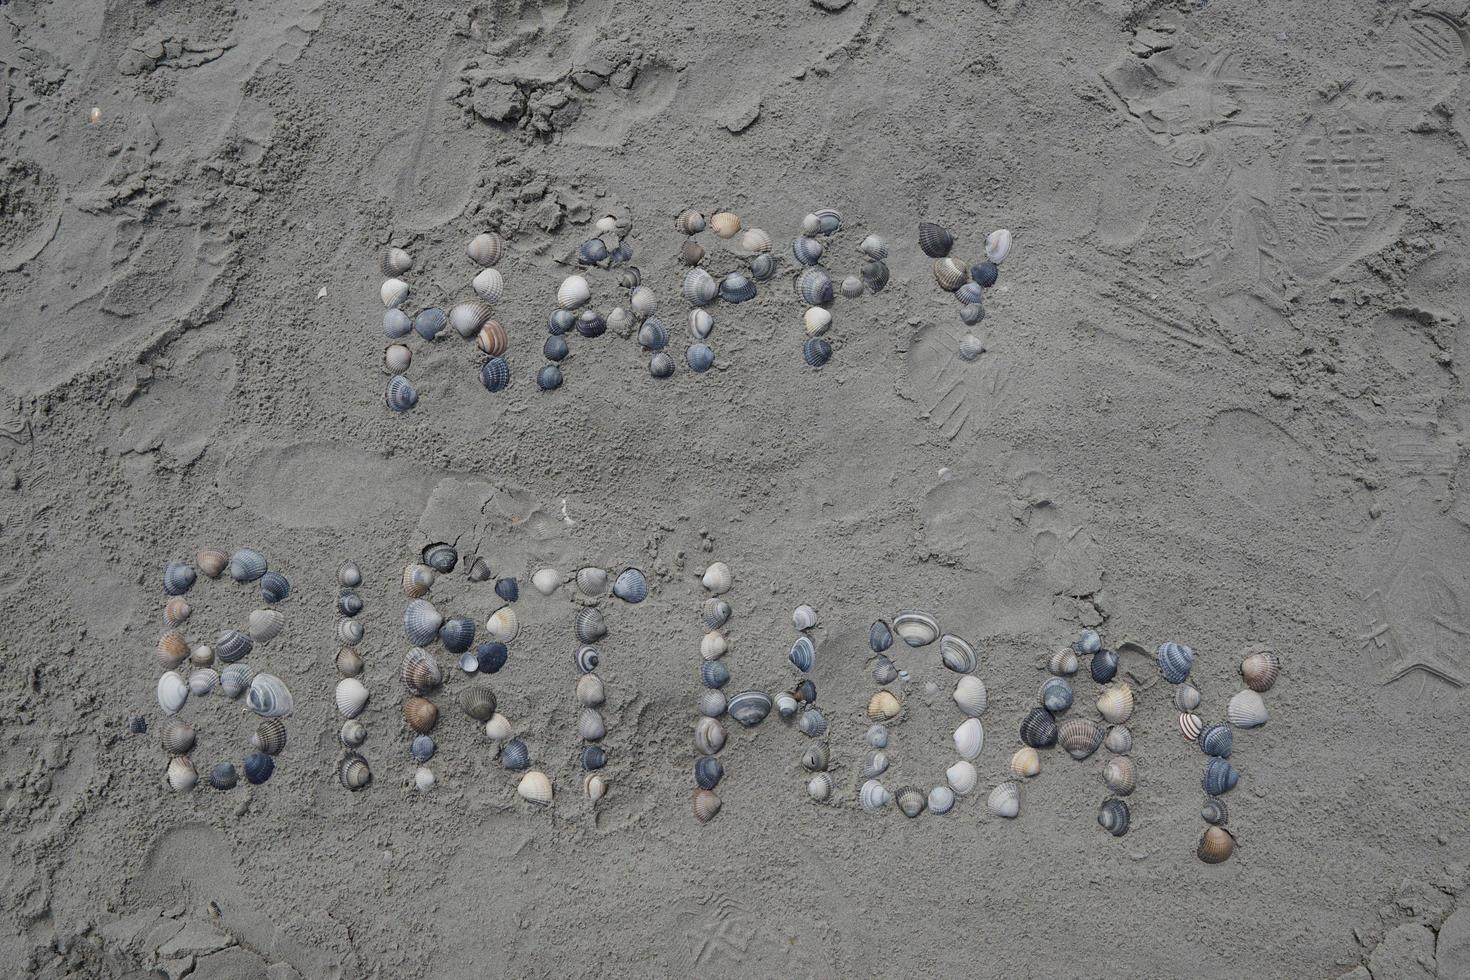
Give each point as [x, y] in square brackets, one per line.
[713, 646]
[489, 285]
[592, 581]
[546, 580]
[941, 799]
[182, 776]
[970, 695]
[595, 786]
[352, 697]
[1115, 703]
[819, 787]
[423, 779]
[643, 301]
[1025, 763]
[1005, 800]
[503, 625]
[961, 777]
[201, 682]
[590, 692]
[265, 625]
[969, 738]
[817, 321]
[804, 618]
[785, 704]
[535, 787]
[873, 796]
[590, 726]
[393, 292]
[573, 293]
[498, 728]
[998, 245]
[717, 578]
[1246, 710]
[172, 693]
[1186, 697]
[701, 324]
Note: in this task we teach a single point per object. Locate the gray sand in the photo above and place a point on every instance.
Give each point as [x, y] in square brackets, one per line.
[1220, 404]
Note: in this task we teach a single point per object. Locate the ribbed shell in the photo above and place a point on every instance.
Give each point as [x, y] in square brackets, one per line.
[706, 805]
[708, 772]
[709, 736]
[1112, 816]
[269, 697]
[591, 582]
[211, 562]
[698, 287]
[352, 734]
[950, 274]
[880, 637]
[504, 625]
[202, 681]
[265, 625]
[420, 671]
[489, 285]
[1115, 703]
[270, 736]
[962, 777]
[176, 611]
[1056, 694]
[814, 286]
[590, 692]
[1005, 800]
[1038, 729]
[258, 768]
[1063, 663]
[1025, 763]
[969, 738]
[1080, 737]
[478, 701]
[884, 672]
[235, 680]
[1119, 740]
[803, 654]
[572, 293]
[1246, 710]
[177, 736]
[935, 241]
[819, 787]
[631, 586]
[590, 626]
[350, 632]
[1190, 726]
[715, 613]
[514, 755]
[873, 796]
[223, 776]
[735, 288]
[232, 645]
[351, 696]
[718, 578]
[816, 352]
[418, 580]
[1104, 666]
[661, 365]
[178, 578]
[875, 763]
[1260, 669]
[1219, 777]
[495, 374]
[970, 695]
[811, 723]
[689, 223]
[400, 394]
[884, 706]
[1214, 811]
[1215, 845]
[1186, 697]
[911, 801]
[1216, 741]
[173, 649]
[712, 702]
[485, 248]
[1120, 775]
[807, 250]
[590, 725]
[354, 772]
[457, 634]
[182, 776]
[1175, 661]
[429, 323]
[421, 622]
[816, 757]
[957, 654]
[420, 714]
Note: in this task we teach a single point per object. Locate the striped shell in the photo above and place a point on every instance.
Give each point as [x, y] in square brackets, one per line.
[1219, 777]
[712, 702]
[514, 755]
[950, 275]
[1038, 729]
[803, 654]
[589, 626]
[819, 787]
[970, 292]
[420, 714]
[970, 695]
[396, 324]
[1246, 709]
[817, 351]
[178, 578]
[350, 632]
[1120, 776]
[962, 777]
[874, 247]
[354, 773]
[653, 335]
[984, 273]
[875, 763]
[699, 287]
[706, 805]
[478, 701]
[492, 339]
[1063, 663]
[708, 772]
[1215, 845]
[807, 250]
[911, 801]
[269, 697]
[1260, 669]
[1190, 726]
[750, 707]
[935, 241]
[232, 645]
[420, 671]
[418, 580]
[586, 659]
[1115, 703]
[1216, 741]
[709, 736]
[211, 562]
[1112, 816]
[735, 288]
[1119, 740]
[421, 622]
[851, 286]
[915, 628]
[173, 649]
[718, 578]
[489, 285]
[957, 654]
[177, 736]
[352, 734]
[873, 796]
[235, 680]
[884, 672]
[884, 706]
[880, 637]
[202, 681]
[457, 634]
[182, 776]
[247, 565]
[811, 723]
[971, 346]
[1079, 736]
[715, 613]
[969, 738]
[269, 737]
[393, 292]
[814, 286]
[351, 697]
[1056, 694]
[265, 625]
[828, 220]
[465, 318]
[725, 224]
[1025, 763]
[485, 248]
[590, 691]
[817, 757]
[874, 275]
[689, 223]
[1175, 661]
[786, 704]
[1104, 666]
[631, 586]
[400, 395]
[495, 374]
[762, 267]
[1005, 800]
[1214, 811]
[1186, 697]
[592, 582]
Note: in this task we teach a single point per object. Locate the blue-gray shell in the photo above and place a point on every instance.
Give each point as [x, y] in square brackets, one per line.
[749, 707]
[714, 674]
[1220, 777]
[708, 772]
[178, 578]
[274, 587]
[495, 374]
[803, 654]
[422, 748]
[1104, 666]
[515, 755]
[1175, 661]
[258, 767]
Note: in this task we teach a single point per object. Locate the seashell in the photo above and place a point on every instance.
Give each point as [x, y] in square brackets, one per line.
[717, 578]
[223, 776]
[591, 324]
[715, 673]
[393, 292]
[950, 275]
[814, 286]
[941, 800]
[202, 656]
[712, 702]
[421, 622]
[911, 801]
[201, 682]
[535, 787]
[630, 277]
[877, 736]
[1120, 776]
[177, 737]
[786, 704]
[1175, 661]
[506, 588]
[549, 378]
[457, 634]
[1216, 845]
[592, 251]
[689, 223]
[1119, 740]
[811, 723]
[998, 245]
[706, 805]
[420, 714]
[984, 273]
[178, 578]
[573, 293]
[441, 557]
[1216, 741]
[750, 707]
[873, 796]
[590, 692]
[884, 672]
[1104, 666]
[546, 580]
[1112, 816]
[1186, 697]
[969, 738]
[699, 287]
[724, 224]
[1063, 663]
[755, 240]
[478, 701]
[643, 301]
[1087, 643]
[957, 655]
[701, 324]
[880, 637]
[1260, 669]
[874, 275]
[803, 654]
[653, 335]
[466, 319]
[708, 772]
[182, 776]
[1115, 703]
[232, 645]
[489, 285]
[1246, 710]
[247, 565]
[970, 293]
[498, 728]
[352, 697]
[429, 323]
[589, 626]
[485, 248]
[819, 787]
[805, 691]
[352, 734]
[354, 773]
[1214, 811]
[971, 346]
[269, 737]
[592, 582]
[709, 736]
[884, 706]
[420, 671]
[962, 777]
[235, 680]
[1039, 729]
[1025, 762]
[350, 632]
[875, 763]
[397, 324]
[851, 287]
[715, 613]
[495, 374]
[594, 786]
[269, 697]
[934, 240]
[691, 252]
[816, 352]
[1080, 736]
[503, 625]
[211, 562]
[970, 695]
[699, 357]
[265, 625]
[173, 649]
[762, 267]
[401, 395]
[417, 580]
[1190, 726]
[514, 755]
[1005, 800]
[586, 658]
[807, 250]
[828, 220]
[874, 247]
[258, 768]
[620, 321]
[1220, 777]
[423, 778]
[590, 726]
[816, 321]
[915, 628]
[817, 757]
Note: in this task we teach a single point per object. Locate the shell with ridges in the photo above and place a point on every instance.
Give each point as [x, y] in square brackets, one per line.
[1214, 811]
[1175, 661]
[1246, 709]
[485, 248]
[420, 671]
[211, 562]
[1005, 800]
[247, 565]
[1112, 816]
[814, 286]
[750, 707]
[504, 625]
[1186, 697]
[709, 736]
[949, 274]
[478, 701]
[235, 680]
[177, 736]
[592, 582]
[1120, 775]
[1190, 726]
[873, 796]
[1115, 703]
[1260, 669]
[1063, 663]
[535, 787]
[173, 649]
[1215, 845]
[803, 654]
[631, 586]
[351, 696]
[962, 777]
[969, 738]
[498, 728]
[1216, 740]
[811, 723]
[1080, 736]
[1056, 694]
[269, 697]
[1025, 762]
[935, 240]
[699, 287]
[265, 625]
[420, 714]
[706, 805]
[915, 628]
[725, 224]
[182, 776]
[911, 801]
[589, 626]
[884, 706]
[1119, 740]
[819, 787]
[717, 578]
[1219, 777]
[421, 622]
[970, 695]
[1039, 729]
[269, 737]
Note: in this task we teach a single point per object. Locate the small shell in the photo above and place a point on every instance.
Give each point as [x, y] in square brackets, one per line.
[258, 768]
[884, 672]
[816, 321]
[1214, 811]
[592, 582]
[504, 625]
[182, 776]
[592, 251]
[873, 796]
[971, 346]
[1104, 666]
[691, 252]
[699, 357]
[969, 738]
[590, 691]
[393, 292]
[421, 622]
[1063, 663]
[935, 241]
[911, 801]
[1112, 816]
[354, 773]
[1119, 740]
[465, 319]
[941, 800]
[1175, 661]
[546, 580]
[807, 250]
[819, 787]
[803, 654]
[232, 645]
[397, 324]
[689, 223]
[1079, 736]
[709, 736]
[429, 323]
[970, 695]
[420, 714]
[420, 671]
[1190, 726]
[1216, 741]
[1260, 669]
[701, 324]
[984, 273]
[549, 378]
[755, 240]
[485, 248]
[998, 245]
[804, 617]
[750, 707]
[223, 776]
[828, 220]
[1056, 694]
[535, 787]
[717, 578]
[1219, 778]
[706, 805]
[514, 755]
[875, 763]
[489, 285]
[202, 681]
[786, 704]
[594, 786]
[814, 286]
[811, 723]
[712, 702]
[1025, 762]
[874, 275]
[762, 267]
[352, 734]
[173, 649]
[589, 626]
[593, 757]
[1087, 642]
[202, 655]
[884, 706]
[962, 777]
[950, 275]
[708, 772]
[418, 580]
[176, 611]
[874, 247]
[957, 654]
[269, 697]
[573, 293]
[400, 395]
[177, 736]
[817, 757]
[915, 628]
[269, 737]
[851, 287]
[352, 697]
[478, 701]
[1215, 845]
[1186, 697]
[880, 637]
[498, 728]
[1246, 710]
[1120, 776]
[590, 726]
[1115, 703]
[1038, 729]
[586, 659]
[715, 613]
[211, 562]
[423, 778]
[235, 680]
[699, 287]
[457, 634]
[1005, 800]
[653, 335]
[816, 352]
[396, 358]
[724, 224]
[265, 625]
[247, 565]
[970, 292]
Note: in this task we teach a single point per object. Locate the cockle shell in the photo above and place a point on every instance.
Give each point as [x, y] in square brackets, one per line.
[984, 273]
[1079, 736]
[1216, 845]
[1087, 642]
[709, 736]
[970, 292]
[706, 805]
[182, 776]
[642, 301]
[1120, 775]
[1260, 669]
[1175, 661]
[270, 737]
[1056, 694]
[875, 763]
[804, 618]
[701, 324]
[235, 680]
[393, 292]
[819, 787]
[1104, 666]
[223, 776]
[498, 728]
[807, 250]
[265, 625]
[1005, 800]
[884, 706]
[420, 714]
[396, 324]
[258, 768]
[725, 224]
[592, 251]
[202, 655]
[884, 672]
[173, 649]
[232, 645]
[911, 801]
[915, 628]
[1246, 709]
[504, 625]
[851, 286]
[176, 611]
[717, 578]
[485, 248]
[492, 340]
[814, 286]
[269, 697]
[400, 394]
[457, 634]
[811, 723]
[421, 622]
[594, 786]
[352, 697]
[713, 645]
[786, 704]
[880, 637]
[1119, 740]
[202, 681]
[817, 757]
[354, 773]
[689, 223]
[465, 319]
[177, 736]
[352, 734]
[1216, 740]
[1186, 697]
[590, 691]
[816, 352]
[514, 755]
[1063, 663]
[874, 247]
[418, 580]
[750, 707]
[1115, 703]
[1214, 811]
[998, 245]
[546, 580]
[962, 777]
[715, 613]
[956, 654]
[396, 358]
[971, 346]
[1190, 726]
[969, 738]
[1025, 762]
[816, 321]
[941, 800]
[573, 293]
[589, 626]
[935, 240]
[970, 695]
[247, 565]
[211, 562]
[950, 274]
[535, 787]
[1112, 816]
[653, 335]
[712, 702]
[699, 357]
[592, 582]
[755, 240]
[763, 267]
[1219, 778]
[698, 287]
[590, 725]
[873, 796]
[173, 691]
[1038, 729]
[708, 772]
[631, 586]
[803, 654]
[429, 323]
[420, 671]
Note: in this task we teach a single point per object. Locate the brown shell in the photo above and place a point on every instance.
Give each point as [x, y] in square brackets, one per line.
[421, 714]
[950, 274]
[1080, 736]
[478, 701]
[270, 736]
[349, 662]
[691, 252]
[1260, 669]
[212, 562]
[176, 611]
[1215, 845]
[706, 805]
[417, 580]
[420, 672]
[884, 706]
[492, 338]
[173, 649]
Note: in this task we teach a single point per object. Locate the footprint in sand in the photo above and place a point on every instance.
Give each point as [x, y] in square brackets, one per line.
[953, 393]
